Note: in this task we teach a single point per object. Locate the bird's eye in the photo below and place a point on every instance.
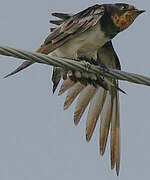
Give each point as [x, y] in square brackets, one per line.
[123, 7]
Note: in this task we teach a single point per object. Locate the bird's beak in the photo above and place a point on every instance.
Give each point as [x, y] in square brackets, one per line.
[136, 11]
[139, 11]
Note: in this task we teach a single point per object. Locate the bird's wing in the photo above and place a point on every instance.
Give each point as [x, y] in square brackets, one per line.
[110, 115]
[70, 28]
[102, 103]
[62, 16]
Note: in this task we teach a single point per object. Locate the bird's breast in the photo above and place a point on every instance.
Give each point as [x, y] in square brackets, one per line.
[85, 44]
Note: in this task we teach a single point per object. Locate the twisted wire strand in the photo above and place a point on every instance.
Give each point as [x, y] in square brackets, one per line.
[70, 64]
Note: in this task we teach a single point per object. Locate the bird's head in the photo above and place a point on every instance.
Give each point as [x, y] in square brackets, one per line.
[122, 15]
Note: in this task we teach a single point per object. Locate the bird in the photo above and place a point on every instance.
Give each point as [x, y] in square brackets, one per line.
[88, 36]
[86, 95]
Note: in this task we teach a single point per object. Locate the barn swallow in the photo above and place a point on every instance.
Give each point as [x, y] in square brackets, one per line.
[87, 31]
[107, 106]
[88, 34]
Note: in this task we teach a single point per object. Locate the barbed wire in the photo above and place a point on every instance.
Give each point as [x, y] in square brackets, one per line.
[70, 64]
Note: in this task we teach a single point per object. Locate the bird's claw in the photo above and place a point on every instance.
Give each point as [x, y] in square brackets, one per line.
[86, 64]
[104, 69]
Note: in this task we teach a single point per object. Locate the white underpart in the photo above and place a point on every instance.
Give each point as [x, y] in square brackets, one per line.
[86, 43]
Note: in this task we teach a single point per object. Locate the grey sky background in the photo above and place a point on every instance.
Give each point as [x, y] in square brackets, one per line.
[38, 140]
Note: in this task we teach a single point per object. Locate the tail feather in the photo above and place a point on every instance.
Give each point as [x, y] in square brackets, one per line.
[82, 102]
[95, 109]
[72, 94]
[115, 135]
[67, 84]
[117, 153]
[102, 102]
[105, 123]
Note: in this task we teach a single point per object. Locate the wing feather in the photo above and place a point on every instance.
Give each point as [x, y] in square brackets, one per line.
[72, 26]
[76, 24]
[62, 16]
[57, 22]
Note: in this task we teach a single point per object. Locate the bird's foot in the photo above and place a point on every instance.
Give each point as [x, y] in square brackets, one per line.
[104, 69]
[86, 64]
